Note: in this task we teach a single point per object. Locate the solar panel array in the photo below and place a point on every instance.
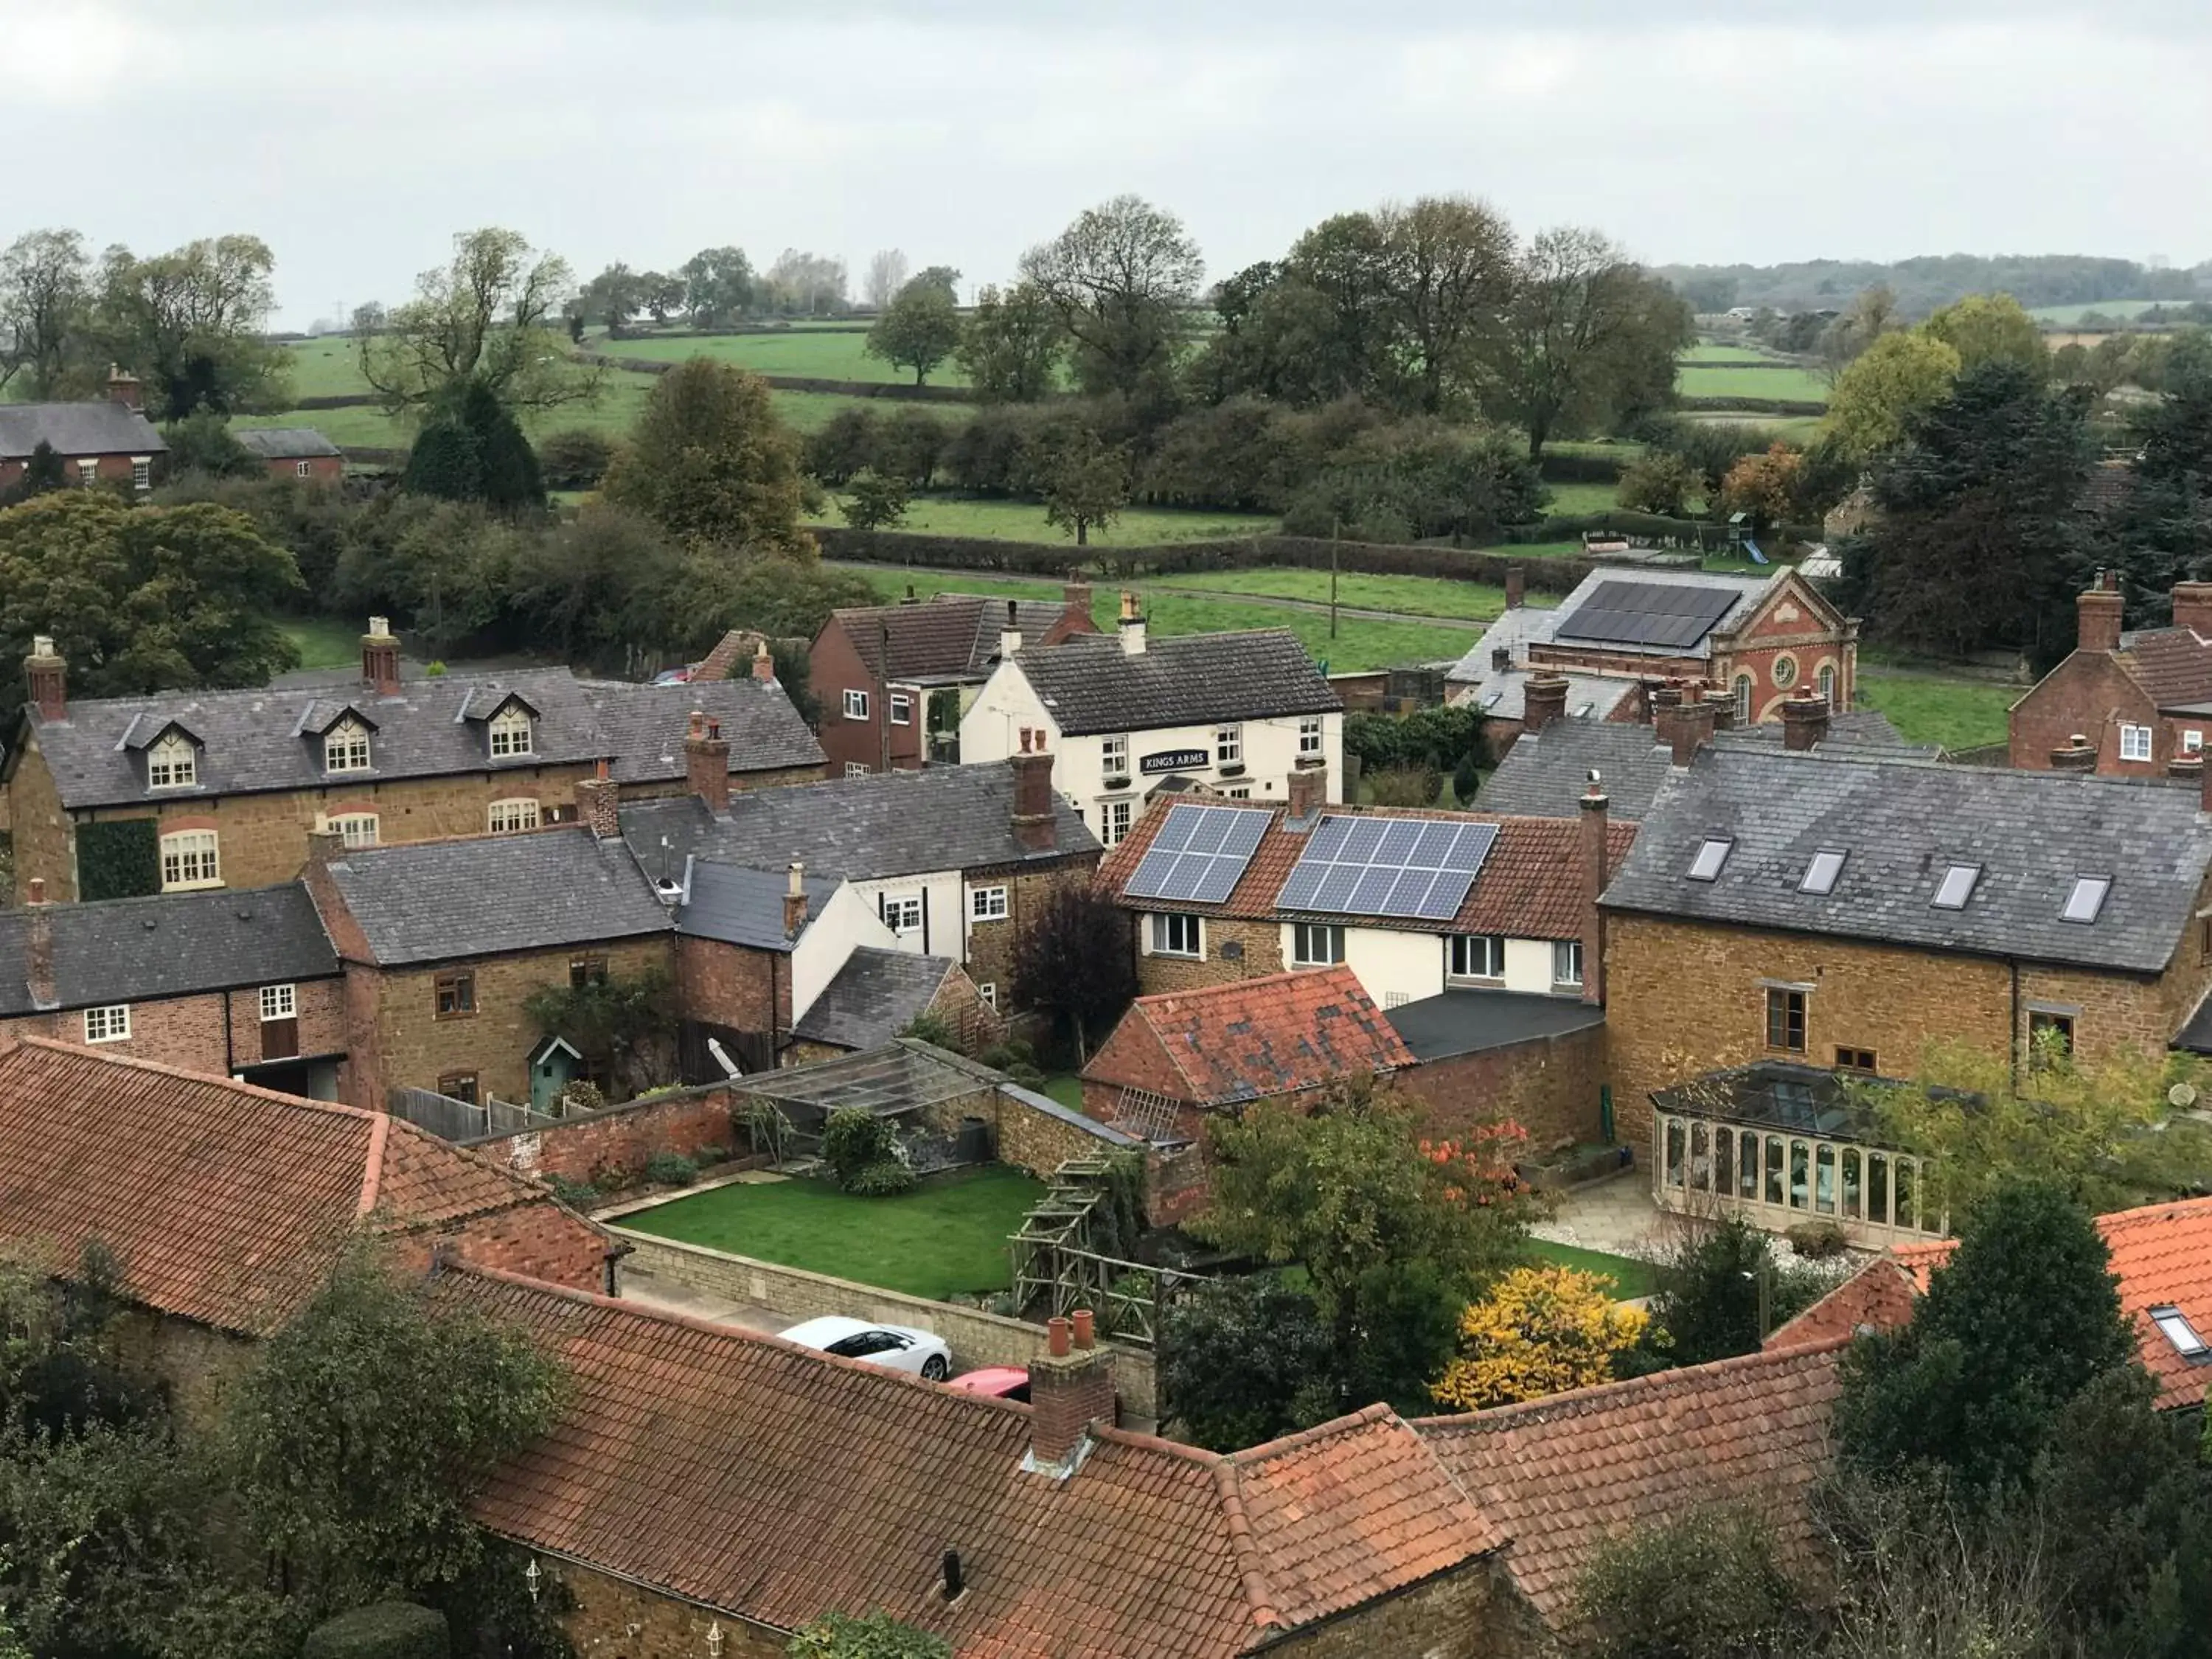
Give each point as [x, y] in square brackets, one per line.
[1199, 854]
[1647, 613]
[1415, 867]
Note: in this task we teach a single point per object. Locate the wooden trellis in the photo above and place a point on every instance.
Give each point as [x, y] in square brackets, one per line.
[1053, 1262]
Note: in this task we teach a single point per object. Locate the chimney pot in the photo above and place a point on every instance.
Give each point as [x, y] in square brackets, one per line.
[1133, 625]
[1543, 700]
[706, 762]
[1061, 1333]
[1086, 1329]
[37, 894]
[2097, 615]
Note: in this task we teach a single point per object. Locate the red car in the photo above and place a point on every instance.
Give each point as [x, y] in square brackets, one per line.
[999, 1381]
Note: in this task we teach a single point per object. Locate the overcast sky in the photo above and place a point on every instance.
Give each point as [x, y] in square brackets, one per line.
[356, 138]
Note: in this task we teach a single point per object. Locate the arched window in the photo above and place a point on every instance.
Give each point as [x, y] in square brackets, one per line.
[1828, 684]
[1743, 700]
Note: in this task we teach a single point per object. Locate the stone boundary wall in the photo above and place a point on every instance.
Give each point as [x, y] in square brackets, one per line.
[620, 1137]
[977, 1338]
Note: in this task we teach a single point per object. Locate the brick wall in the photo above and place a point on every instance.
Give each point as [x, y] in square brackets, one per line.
[1549, 1084]
[977, 1338]
[1470, 1611]
[2090, 694]
[725, 984]
[539, 1240]
[44, 842]
[413, 1047]
[623, 1137]
[191, 1032]
[1262, 943]
[835, 667]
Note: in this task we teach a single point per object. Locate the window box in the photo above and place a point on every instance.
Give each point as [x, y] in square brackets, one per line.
[1232, 769]
[1117, 780]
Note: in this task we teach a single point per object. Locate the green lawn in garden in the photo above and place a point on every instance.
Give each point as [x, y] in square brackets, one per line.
[946, 1237]
[1575, 499]
[1931, 708]
[1066, 1088]
[1746, 380]
[323, 643]
[1414, 596]
[1024, 521]
[1631, 1279]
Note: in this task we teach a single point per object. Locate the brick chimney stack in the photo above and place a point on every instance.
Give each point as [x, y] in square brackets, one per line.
[706, 762]
[1804, 719]
[1075, 600]
[1308, 791]
[2204, 789]
[763, 664]
[2098, 614]
[1133, 625]
[48, 676]
[1594, 817]
[379, 659]
[1071, 1388]
[39, 948]
[1516, 585]
[2192, 608]
[2076, 754]
[1694, 726]
[794, 901]
[1543, 700]
[597, 799]
[124, 389]
[1009, 631]
[1664, 698]
[1033, 825]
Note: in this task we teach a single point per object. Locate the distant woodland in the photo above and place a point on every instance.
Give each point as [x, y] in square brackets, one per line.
[1925, 285]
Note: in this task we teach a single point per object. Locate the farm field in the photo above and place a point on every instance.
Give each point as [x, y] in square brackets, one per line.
[1797, 427]
[1360, 643]
[840, 356]
[2074, 313]
[1711, 351]
[1024, 521]
[323, 642]
[1745, 380]
[1415, 596]
[1931, 708]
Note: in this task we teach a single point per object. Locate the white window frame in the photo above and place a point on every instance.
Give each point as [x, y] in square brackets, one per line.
[302, 470]
[1743, 700]
[1567, 963]
[1312, 737]
[141, 473]
[1825, 677]
[1160, 936]
[987, 904]
[345, 747]
[173, 763]
[191, 858]
[903, 913]
[989, 990]
[513, 816]
[279, 1002]
[2192, 741]
[2135, 743]
[353, 828]
[859, 769]
[87, 473]
[1114, 755]
[856, 705]
[1305, 935]
[1460, 955]
[1229, 745]
[511, 733]
[901, 708]
[1115, 819]
[110, 1023]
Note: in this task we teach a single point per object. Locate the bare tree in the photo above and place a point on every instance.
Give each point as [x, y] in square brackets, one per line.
[886, 277]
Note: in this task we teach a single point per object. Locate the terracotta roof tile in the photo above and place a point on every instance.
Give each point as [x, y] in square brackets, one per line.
[1558, 1476]
[2171, 664]
[223, 1202]
[1879, 1296]
[776, 1484]
[1252, 1038]
[1530, 885]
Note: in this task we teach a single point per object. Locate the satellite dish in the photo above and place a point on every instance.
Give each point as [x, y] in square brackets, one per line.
[2182, 1095]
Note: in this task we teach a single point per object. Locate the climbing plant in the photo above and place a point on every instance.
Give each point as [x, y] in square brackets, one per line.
[119, 858]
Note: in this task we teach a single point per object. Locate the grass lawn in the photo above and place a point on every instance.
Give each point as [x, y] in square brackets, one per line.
[1744, 380]
[1413, 596]
[1360, 643]
[1024, 521]
[946, 1237]
[1707, 351]
[1066, 1088]
[1930, 708]
[323, 643]
[1631, 1279]
[1579, 498]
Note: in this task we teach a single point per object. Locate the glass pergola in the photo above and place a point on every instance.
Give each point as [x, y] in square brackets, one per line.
[1782, 1145]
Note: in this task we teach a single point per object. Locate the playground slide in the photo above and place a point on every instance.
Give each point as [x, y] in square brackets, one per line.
[1751, 551]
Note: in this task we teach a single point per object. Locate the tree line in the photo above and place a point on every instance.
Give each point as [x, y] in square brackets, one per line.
[1927, 283]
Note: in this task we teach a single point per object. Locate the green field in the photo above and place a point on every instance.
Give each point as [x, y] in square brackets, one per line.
[1930, 708]
[1361, 643]
[1742, 380]
[1708, 351]
[2074, 313]
[840, 357]
[946, 1237]
[1574, 500]
[1024, 521]
[322, 643]
[1416, 596]
[1798, 429]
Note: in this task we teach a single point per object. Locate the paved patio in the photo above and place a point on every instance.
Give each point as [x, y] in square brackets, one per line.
[1615, 1215]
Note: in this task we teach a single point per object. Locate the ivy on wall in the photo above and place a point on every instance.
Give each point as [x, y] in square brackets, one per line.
[119, 858]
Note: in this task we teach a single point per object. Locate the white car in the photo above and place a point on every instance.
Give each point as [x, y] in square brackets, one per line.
[895, 1347]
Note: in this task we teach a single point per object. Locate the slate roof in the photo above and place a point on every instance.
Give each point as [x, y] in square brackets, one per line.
[268, 739]
[1252, 1038]
[1091, 684]
[2161, 1255]
[810, 1484]
[223, 1203]
[1503, 694]
[642, 726]
[875, 995]
[949, 636]
[745, 907]
[1464, 1020]
[1560, 1475]
[100, 426]
[888, 824]
[1901, 823]
[1855, 728]
[284, 443]
[137, 949]
[435, 901]
[1530, 886]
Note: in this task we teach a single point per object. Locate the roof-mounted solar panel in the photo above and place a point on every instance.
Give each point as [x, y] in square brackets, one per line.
[1199, 854]
[1418, 868]
[1673, 615]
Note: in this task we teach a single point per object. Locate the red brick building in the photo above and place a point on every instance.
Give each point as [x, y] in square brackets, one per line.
[292, 451]
[2123, 703]
[106, 442]
[876, 670]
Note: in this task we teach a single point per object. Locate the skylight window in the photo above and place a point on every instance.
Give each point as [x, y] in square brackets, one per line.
[1711, 854]
[2177, 1330]
[1820, 874]
[1958, 886]
[2087, 897]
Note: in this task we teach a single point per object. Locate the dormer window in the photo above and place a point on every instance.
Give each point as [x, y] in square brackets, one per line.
[173, 763]
[345, 747]
[510, 731]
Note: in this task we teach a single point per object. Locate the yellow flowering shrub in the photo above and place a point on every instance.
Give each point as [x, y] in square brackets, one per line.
[1541, 1330]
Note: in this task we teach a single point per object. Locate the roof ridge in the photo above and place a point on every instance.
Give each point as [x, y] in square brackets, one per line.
[1299, 1439]
[137, 1062]
[372, 1178]
[1236, 1522]
[523, 1190]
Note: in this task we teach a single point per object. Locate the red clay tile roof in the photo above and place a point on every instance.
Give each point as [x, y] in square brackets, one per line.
[2171, 664]
[223, 1202]
[1558, 1476]
[764, 1481]
[2162, 1256]
[1252, 1038]
[1530, 887]
[1879, 1296]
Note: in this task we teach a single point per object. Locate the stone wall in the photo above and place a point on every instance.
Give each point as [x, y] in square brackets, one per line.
[977, 1338]
[990, 945]
[622, 1137]
[216, 1033]
[613, 1619]
[1261, 945]
[45, 843]
[1470, 1611]
[1551, 1085]
[1031, 1132]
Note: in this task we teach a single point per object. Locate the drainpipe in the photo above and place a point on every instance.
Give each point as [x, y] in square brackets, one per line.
[2012, 1040]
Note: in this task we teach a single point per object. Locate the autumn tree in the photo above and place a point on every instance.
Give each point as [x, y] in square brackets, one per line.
[1012, 346]
[488, 315]
[1537, 1330]
[710, 462]
[1896, 378]
[918, 330]
[1121, 280]
[1765, 487]
[1660, 481]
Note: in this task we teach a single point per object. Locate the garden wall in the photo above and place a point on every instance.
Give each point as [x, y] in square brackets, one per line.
[623, 1137]
[976, 1338]
[1034, 1132]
